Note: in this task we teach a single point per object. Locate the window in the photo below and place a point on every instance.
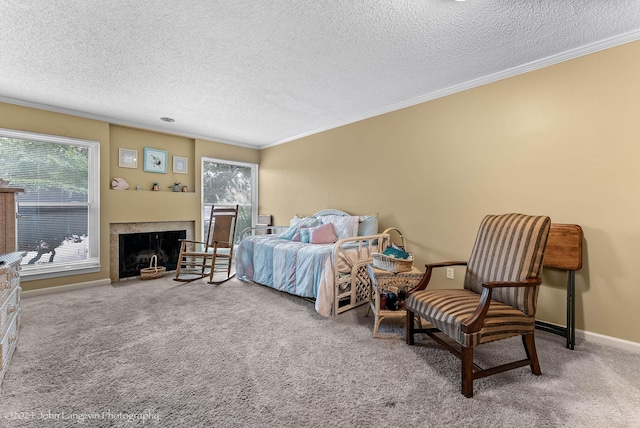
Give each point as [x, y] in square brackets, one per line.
[230, 183]
[59, 213]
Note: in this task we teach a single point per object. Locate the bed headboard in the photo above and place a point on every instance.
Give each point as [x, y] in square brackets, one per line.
[330, 212]
[367, 225]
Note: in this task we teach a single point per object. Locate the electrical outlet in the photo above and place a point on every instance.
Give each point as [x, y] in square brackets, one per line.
[449, 273]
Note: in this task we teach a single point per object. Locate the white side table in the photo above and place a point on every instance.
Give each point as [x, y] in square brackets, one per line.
[382, 280]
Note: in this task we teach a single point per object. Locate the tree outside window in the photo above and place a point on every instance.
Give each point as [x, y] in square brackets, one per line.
[229, 184]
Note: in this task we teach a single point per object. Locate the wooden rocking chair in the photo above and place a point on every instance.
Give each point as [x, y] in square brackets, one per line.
[200, 259]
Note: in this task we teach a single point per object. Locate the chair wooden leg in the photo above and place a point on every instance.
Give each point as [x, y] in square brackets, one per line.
[467, 371]
[530, 348]
[178, 267]
[204, 265]
[409, 328]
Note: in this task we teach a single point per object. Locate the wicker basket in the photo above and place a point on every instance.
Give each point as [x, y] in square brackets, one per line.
[391, 264]
[153, 271]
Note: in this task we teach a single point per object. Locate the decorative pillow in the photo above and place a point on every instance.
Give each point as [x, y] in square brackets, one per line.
[295, 224]
[303, 230]
[344, 226]
[289, 233]
[368, 225]
[305, 234]
[323, 234]
[304, 221]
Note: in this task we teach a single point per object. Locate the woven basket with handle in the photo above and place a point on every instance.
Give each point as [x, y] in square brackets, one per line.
[391, 264]
[153, 271]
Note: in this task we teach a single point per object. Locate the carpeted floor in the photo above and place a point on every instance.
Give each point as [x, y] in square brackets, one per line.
[162, 353]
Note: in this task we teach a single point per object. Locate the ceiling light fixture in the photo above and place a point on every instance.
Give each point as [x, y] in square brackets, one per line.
[167, 119]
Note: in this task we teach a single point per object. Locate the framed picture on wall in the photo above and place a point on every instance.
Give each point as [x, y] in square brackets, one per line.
[180, 165]
[127, 158]
[155, 160]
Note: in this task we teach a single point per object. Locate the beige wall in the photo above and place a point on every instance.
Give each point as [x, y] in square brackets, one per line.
[562, 141]
[130, 205]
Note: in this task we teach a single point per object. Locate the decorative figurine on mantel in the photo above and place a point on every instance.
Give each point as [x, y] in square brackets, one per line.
[155, 187]
[175, 187]
[185, 189]
[119, 184]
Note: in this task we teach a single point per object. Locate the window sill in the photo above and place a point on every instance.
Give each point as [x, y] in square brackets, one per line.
[46, 273]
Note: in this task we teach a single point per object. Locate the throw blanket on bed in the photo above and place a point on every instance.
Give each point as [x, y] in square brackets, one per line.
[297, 268]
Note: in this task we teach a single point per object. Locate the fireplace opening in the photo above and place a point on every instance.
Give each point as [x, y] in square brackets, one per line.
[137, 249]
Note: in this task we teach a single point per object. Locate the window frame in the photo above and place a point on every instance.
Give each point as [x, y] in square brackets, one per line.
[92, 263]
[254, 186]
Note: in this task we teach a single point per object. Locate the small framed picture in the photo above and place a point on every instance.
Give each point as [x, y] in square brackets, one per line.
[155, 160]
[180, 165]
[127, 158]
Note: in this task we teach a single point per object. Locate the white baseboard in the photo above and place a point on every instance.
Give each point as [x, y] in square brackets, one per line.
[614, 342]
[61, 288]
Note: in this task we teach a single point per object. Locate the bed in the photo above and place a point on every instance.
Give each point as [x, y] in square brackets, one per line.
[332, 273]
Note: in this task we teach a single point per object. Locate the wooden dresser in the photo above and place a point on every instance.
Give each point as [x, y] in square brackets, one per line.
[9, 307]
[8, 213]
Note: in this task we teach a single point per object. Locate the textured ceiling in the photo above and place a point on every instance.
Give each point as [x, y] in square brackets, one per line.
[259, 73]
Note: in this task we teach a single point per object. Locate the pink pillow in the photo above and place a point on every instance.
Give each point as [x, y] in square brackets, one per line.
[324, 234]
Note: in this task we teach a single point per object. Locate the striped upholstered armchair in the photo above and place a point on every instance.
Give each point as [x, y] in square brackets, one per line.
[499, 296]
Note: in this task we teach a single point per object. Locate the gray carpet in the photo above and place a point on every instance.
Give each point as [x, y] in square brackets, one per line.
[162, 353]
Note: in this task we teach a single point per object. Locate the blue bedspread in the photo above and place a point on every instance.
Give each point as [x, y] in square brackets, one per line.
[294, 267]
